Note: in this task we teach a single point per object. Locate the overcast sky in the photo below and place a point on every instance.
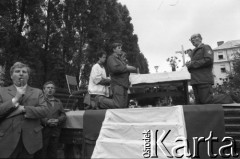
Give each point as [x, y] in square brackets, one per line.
[163, 26]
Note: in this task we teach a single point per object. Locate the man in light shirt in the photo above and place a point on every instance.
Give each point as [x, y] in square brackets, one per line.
[98, 80]
[21, 108]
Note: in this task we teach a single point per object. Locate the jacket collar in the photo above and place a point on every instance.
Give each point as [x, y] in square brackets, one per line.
[199, 46]
[12, 91]
[119, 58]
[196, 48]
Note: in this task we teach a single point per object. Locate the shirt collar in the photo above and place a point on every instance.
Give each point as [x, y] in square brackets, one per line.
[101, 65]
[200, 45]
[24, 87]
[51, 99]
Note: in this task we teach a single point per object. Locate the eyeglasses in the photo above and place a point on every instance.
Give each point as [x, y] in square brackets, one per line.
[193, 38]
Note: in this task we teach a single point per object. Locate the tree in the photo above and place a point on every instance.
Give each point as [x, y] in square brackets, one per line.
[13, 20]
[59, 37]
[234, 77]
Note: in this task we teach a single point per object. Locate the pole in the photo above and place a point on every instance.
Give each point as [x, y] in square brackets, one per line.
[183, 55]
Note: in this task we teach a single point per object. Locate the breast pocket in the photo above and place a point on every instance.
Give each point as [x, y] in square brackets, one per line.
[198, 55]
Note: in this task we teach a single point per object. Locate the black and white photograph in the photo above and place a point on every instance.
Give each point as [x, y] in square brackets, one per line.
[119, 79]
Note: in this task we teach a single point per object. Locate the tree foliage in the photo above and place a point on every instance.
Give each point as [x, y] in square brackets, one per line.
[58, 37]
[234, 77]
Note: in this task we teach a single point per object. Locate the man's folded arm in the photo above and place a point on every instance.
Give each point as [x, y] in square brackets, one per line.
[41, 110]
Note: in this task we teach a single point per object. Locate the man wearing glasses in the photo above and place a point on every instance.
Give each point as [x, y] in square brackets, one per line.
[200, 67]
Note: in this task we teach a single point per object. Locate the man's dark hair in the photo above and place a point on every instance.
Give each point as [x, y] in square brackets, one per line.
[48, 82]
[114, 45]
[100, 54]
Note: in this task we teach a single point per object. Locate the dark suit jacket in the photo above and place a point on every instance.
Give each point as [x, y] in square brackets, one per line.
[27, 124]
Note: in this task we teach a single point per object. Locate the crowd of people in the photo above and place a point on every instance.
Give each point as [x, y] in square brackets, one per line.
[31, 119]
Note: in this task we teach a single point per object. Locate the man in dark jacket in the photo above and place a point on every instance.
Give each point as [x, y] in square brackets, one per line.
[119, 72]
[52, 123]
[200, 67]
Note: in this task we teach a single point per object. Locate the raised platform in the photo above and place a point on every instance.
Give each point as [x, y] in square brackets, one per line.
[232, 122]
[74, 134]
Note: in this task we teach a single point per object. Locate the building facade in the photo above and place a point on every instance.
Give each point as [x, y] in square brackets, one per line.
[223, 60]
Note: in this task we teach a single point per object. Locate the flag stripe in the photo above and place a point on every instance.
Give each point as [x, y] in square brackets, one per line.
[200, 120]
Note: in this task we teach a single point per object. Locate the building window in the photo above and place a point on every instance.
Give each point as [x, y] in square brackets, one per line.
[220, 57]
[223, 70]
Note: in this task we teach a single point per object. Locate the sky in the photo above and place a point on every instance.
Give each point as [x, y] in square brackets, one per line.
[165, 26]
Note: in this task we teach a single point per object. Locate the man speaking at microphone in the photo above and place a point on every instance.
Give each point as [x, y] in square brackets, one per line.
[21, 108]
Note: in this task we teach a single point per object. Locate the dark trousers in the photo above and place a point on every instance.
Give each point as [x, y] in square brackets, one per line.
[118, 100]
[50, 144]
[20, 151]
[204, 95]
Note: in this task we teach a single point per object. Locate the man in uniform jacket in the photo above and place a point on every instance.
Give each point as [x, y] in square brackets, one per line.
[200, 67]
[21, 108]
